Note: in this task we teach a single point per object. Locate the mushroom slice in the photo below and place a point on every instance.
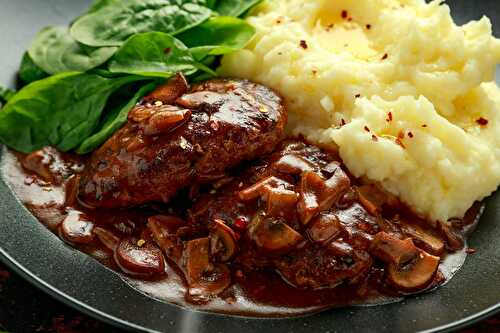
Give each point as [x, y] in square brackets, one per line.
[164, 231]
[197, 99]
[273, 236]
[318, 194]
[425, 239]
[140, 260]
[169, 92]
[392, 250]
[324, 228]
[454, 241]
[107, 238]
[76, 228]
[204, 279]
[293, 165]
[165, 119]
[280, 202]
[416, 274]
[259, 188]
[311, 187]
[222, 241]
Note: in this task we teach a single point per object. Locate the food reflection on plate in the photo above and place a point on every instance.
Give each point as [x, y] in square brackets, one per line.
[339, 158]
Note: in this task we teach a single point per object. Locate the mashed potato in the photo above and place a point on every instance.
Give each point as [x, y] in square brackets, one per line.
[403, 92]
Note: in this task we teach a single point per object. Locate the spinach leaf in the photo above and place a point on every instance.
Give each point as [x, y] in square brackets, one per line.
[235, 8]
[217, 36]
[55, 51]
[99, 4]
[153, 54]
[113, 121]
[6, 94]
[112, 25]
[29, 71]
[62, 110]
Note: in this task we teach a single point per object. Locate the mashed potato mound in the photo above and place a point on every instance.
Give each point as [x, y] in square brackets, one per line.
[396, 85]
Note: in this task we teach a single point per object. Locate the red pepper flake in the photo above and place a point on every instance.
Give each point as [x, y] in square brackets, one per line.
[401, 135]
[357, 96]
[368, 26]
[314, 72]
[410, 134]
[349, 19]
[303, 44]
[470, 250]
[278, 21]
[344, 14]
[374, 138]
[241, 223]
[399, 142]
[367, 129]
[424, 125]
[342, 122]
[389, 117]
[482, 121]
[385, 56]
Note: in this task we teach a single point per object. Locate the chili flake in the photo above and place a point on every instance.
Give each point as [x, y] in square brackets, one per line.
[385, 56]
[374, 138]
[389, 117]
[367, 129]
[303, 44]
[368, 26]
[344, 14]
[357, 95]
[342, 122]
[482, 121]
[410, 134]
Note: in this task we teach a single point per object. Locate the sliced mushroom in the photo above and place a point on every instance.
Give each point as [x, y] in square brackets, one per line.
[311, 186]
[138, 258]
[273, 236]
[76, 228]
[166, 118]
[416, 274]
[424, 238]
[223, 239]
[392, 250]
[258, 189]
[164, 229]
[293, 165]
[454, 241]
[39, 162]
[281, 202]
[71, 191]
[373, 198]
[324, 228]
[196, 99]
[318, 194]
[107, 238]
[169, 92]
[205, 280]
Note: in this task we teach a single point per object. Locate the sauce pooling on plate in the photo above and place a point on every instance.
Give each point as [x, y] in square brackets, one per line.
[288, 234]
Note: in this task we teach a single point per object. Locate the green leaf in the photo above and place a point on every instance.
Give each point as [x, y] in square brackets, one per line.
[29, 71]
[217, 36]
[112, 25]
[99, 4]
[55, 51]
[6, 94]
[113, 121]
[62, 110]
[235, 8]
[153, 54]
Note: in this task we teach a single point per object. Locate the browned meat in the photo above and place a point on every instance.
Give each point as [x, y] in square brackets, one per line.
[174, 139]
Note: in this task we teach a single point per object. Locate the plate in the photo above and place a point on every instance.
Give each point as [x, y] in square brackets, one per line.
[81, 282]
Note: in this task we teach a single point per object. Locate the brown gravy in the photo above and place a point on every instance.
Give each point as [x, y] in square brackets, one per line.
[260, 294]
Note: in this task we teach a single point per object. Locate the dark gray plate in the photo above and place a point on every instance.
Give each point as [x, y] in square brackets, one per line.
[78, 280]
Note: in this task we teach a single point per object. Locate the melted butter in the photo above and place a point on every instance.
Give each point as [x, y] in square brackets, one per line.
[348, 38]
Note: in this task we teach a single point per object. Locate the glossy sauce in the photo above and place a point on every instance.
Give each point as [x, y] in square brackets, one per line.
[258, 293]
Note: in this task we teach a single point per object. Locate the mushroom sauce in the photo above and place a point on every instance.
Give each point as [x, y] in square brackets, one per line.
[290, 234]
